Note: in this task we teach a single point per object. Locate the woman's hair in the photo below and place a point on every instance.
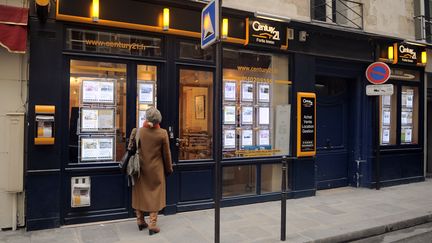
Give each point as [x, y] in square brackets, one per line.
[153, 116]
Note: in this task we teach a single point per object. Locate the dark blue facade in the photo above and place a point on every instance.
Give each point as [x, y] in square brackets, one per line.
[345, 148]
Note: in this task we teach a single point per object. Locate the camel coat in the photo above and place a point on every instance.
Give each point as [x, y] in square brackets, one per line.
[149, 191]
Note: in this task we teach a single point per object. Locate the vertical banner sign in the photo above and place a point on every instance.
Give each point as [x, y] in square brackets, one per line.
[306, 124]
[210, 24]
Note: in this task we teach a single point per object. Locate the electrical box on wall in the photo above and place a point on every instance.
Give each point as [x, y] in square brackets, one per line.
[80, 191]
[45, 124]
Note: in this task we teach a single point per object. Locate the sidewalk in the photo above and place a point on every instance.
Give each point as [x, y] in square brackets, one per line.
[333, 215]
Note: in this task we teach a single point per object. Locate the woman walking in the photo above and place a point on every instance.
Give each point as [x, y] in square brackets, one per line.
[149, 192]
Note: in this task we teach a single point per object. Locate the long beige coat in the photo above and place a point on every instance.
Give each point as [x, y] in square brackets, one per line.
[149, 191]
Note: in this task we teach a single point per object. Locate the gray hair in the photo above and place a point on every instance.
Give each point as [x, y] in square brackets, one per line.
[153, 116]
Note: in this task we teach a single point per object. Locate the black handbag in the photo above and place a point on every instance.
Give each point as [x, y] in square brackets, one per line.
[125, 161]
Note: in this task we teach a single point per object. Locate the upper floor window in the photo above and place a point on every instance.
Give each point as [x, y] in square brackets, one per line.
[340, 12]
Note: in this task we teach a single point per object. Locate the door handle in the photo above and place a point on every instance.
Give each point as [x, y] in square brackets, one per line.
[180, 141]
[170, 132]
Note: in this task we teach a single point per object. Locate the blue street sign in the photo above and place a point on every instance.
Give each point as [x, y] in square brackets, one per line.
[210, 24]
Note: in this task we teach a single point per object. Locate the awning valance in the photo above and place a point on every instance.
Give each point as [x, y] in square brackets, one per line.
[13, 28]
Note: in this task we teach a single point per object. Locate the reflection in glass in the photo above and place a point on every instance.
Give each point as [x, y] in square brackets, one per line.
[104, 82]
[271, 178]
[256, 97]
[195, 114]
[238, 180]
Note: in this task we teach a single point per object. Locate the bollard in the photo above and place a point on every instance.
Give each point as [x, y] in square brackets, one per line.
[283, 199]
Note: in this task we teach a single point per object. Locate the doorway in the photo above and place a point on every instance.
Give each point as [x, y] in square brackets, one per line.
[333, 112]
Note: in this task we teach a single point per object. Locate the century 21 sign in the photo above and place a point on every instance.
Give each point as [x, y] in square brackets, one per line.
[261, 32]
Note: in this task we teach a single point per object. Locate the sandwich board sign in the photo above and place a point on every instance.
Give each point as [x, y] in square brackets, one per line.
[210, 24]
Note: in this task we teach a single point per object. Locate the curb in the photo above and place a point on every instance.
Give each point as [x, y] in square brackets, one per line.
[378, 230]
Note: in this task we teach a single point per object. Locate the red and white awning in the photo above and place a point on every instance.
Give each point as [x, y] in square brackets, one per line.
[13, 28]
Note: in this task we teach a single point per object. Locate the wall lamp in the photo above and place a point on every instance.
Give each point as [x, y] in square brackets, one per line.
[224, 28]
[95, 11]
[165, 19]
[424, 57]
[273, 17]
[390, 52]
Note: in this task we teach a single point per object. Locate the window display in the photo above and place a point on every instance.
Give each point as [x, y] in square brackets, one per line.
[388, 113]
[256, 86]
[98, 91]
[97, 117]
[409, 115]
[97, 148]
[97, 120]
[146, 91]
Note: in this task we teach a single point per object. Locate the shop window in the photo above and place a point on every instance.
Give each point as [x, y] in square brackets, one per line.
[193, 51]
[388, 113]
[399, 113]
[195, 114]
[146, 91]
[271, 178]
[239, 180]
[97, 111]
[409, 115]
[256, 104]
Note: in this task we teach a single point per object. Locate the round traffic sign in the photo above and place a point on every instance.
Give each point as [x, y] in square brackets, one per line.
[378, 73]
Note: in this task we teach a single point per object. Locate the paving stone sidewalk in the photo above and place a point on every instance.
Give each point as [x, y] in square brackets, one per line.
[331, 216]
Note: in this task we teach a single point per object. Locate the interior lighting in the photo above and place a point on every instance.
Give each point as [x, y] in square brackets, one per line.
[224, 28]
[95, 11]
[166, 19]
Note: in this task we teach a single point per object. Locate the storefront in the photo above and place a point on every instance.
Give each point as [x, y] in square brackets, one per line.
[98, 76]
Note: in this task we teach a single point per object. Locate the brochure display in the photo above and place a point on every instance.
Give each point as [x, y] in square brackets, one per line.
[97, 119]
[97, 122]
[386, 110]
[98, 91]
[97, 148]
[247, 125]
[407, 100]
[146, 98]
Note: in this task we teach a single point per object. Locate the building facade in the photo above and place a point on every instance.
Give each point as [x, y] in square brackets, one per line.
[92, 76]
[13, 97]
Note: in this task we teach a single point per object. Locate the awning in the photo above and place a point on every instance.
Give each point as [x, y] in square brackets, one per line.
[13, 28]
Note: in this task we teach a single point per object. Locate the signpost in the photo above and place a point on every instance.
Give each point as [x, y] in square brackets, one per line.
[210, 29]
[378, 73]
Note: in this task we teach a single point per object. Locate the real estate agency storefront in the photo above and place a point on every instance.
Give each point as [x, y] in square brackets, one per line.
[92, 82]
[95, 78]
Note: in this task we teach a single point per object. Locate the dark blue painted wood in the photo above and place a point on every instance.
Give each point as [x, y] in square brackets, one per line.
[332, 131]
[196, 185]
[42, 200]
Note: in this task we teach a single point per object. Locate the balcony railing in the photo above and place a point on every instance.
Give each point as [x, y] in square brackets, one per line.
[343, 13]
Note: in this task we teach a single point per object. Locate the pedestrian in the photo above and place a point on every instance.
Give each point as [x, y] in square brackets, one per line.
[149, 191]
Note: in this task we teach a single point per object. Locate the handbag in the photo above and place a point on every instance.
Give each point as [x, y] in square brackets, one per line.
[133, 166]
[124, 161]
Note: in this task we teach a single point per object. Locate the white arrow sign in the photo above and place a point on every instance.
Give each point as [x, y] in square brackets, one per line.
[379, 89]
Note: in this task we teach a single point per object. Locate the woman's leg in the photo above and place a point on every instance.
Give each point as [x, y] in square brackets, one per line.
[140, 220]
[153, 228]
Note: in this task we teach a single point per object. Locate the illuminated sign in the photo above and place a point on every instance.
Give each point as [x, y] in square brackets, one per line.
[261, 32]
[405, 54]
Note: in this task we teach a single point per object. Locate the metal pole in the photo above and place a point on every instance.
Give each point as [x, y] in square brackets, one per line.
[377, 144]
[283, 199]
[218, 136]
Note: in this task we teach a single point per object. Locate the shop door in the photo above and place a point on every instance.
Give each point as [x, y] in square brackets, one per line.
[332, 132]
[193, 126]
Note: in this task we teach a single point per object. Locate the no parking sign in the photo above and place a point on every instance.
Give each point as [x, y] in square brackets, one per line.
[378, 73]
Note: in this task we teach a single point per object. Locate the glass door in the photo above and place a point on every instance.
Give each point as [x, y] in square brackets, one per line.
[146, 86]
[194, 139]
